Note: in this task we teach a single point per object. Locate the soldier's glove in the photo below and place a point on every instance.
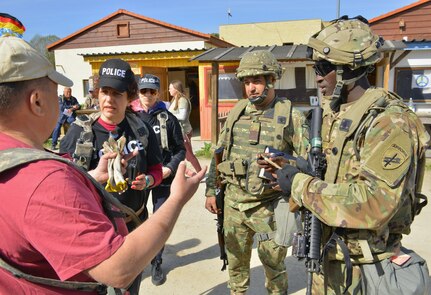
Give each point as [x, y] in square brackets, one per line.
[285, 177]
[116, 182]
[304, 166]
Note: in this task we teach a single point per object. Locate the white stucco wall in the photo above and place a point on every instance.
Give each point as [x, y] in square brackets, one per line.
[70, 62]
[270, 33]
[415, 59]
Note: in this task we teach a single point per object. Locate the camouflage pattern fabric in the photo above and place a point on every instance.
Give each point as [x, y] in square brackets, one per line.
[239, 229]
[259, 62]
[337, 281]
[346, 42]
[294, 141]
[371, 200]
[248, 214]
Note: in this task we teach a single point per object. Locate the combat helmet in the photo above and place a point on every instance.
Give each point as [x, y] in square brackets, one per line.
[259, 62]
[347, 44]
[256, 63]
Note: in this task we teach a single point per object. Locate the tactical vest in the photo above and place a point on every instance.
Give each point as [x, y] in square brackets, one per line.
[253, 133]
[85, 146]
[162, 117]
[351, 132]
[19, 156]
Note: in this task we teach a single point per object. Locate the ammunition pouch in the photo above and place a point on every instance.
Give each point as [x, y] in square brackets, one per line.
[84, 150]
[233, 169]
[244, 174]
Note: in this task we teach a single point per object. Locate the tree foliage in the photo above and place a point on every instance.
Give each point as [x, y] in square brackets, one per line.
[40, 42]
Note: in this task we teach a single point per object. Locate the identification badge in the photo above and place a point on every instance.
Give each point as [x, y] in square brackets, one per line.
[253, 137]
[401, 259]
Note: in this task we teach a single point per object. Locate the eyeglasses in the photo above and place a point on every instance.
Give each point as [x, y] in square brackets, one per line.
[323, 68]
[144, 90]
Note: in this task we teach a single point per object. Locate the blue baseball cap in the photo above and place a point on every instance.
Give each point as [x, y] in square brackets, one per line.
[149, 81]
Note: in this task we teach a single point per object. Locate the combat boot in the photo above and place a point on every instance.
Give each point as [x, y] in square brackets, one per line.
[157, 275]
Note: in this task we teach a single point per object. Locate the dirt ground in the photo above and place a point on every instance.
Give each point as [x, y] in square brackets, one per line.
[191, 258]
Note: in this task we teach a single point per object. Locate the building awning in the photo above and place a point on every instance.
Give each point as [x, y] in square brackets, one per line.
[140, 52]
[418, 45]
[281, 52]
[391, 45]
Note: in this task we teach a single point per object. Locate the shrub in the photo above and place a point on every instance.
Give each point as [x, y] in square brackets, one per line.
[205, 152]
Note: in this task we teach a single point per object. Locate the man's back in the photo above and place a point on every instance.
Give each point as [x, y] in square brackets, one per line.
[48, 208]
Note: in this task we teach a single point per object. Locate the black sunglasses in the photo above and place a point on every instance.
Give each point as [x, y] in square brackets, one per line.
[323, 68]
[144, 90]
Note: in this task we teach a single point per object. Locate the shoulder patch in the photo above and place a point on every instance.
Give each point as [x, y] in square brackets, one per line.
[389, 159]
[394, 157]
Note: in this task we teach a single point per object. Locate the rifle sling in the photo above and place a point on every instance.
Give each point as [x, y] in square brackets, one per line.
[331, 244]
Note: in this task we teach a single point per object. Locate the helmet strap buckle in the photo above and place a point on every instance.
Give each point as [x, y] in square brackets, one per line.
[358, 58]
[336, 96]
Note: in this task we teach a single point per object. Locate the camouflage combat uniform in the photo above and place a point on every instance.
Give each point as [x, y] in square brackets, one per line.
[248, 204]
[369, 201]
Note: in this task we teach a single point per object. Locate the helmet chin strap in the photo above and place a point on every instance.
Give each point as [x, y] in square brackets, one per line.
[259, 99]
[336, 99]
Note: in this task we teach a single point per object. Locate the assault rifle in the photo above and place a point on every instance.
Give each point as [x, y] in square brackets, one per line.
[219, 192]
[307, 244]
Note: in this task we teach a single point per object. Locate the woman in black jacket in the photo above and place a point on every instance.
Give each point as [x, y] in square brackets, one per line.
[169, 136]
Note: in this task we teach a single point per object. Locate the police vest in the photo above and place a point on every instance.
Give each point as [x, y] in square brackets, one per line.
[85, 147]
[19, 156]
[253, 133]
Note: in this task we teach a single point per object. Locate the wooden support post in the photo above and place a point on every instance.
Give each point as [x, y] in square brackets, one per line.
[214, 106]
[386, 72]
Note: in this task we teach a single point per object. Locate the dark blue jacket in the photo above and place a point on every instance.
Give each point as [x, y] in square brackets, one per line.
[66, 104]
[176, 151]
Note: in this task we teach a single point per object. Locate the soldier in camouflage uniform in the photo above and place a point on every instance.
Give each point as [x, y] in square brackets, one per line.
[254, 123]
[374, 147]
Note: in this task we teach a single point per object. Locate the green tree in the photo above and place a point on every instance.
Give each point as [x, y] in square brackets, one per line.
[40, 42]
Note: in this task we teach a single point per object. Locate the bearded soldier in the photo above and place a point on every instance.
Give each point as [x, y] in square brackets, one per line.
[375, 151]
[253, 124]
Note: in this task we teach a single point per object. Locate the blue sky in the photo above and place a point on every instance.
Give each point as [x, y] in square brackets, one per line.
[62, 18]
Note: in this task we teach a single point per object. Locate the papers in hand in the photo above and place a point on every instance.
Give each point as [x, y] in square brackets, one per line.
[67, 112]
[273, 153]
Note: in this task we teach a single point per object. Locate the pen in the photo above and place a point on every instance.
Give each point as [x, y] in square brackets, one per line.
[271, 162]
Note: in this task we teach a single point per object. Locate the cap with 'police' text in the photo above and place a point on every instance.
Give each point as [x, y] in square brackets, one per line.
[149, 81]
[117, 74]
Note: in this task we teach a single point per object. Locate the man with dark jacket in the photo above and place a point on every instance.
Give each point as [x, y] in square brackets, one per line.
[68, 105]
